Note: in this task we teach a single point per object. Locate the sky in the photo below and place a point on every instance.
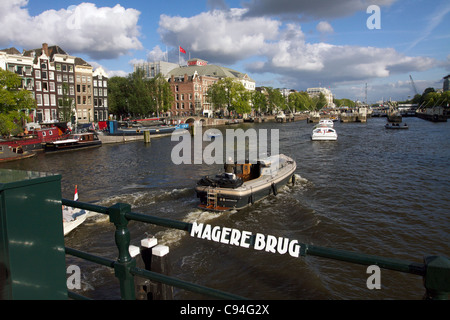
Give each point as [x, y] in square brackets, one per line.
[356, 48]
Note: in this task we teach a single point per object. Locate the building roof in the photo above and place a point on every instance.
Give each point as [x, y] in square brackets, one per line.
[11, 50]
[81, 62]
[52, 50]
[208, 70]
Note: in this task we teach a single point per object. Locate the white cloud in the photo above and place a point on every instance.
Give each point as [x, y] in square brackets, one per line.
[324, 27]
[226, 37]
[101, 33]
[220, 36]
[157, 54]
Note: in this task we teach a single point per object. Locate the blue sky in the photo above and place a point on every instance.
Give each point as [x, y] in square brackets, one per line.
[279, 43]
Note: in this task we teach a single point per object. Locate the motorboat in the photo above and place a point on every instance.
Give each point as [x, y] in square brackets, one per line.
[245, 183]
[72, 218]
[8, 153]
[75, 141]
[280, 117]
[396, 126]
[326, 122]
[211, 133]
[324, 133]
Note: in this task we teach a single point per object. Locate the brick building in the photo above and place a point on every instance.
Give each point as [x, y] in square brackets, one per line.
[190, 85]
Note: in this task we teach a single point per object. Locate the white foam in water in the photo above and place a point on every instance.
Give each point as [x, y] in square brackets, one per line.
[173, 236]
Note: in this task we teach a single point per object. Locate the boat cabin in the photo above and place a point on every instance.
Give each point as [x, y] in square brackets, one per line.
[84, 137]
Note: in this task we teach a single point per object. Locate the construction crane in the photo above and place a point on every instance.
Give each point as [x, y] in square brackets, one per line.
[413, 85]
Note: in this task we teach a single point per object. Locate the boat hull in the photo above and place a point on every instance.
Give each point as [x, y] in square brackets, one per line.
[78, 216]
[249, 193]
[61, 147]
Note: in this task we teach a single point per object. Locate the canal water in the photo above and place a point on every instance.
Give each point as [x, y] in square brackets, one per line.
[374, 191]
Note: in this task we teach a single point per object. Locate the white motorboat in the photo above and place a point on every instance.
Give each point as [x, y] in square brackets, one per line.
[326, 122]
[72, 218]
[324, 133]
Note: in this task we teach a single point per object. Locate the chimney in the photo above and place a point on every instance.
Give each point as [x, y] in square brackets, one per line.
[45, 48]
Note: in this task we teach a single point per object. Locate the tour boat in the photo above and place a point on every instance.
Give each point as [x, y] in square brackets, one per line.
[323, 133]
[246, 184]
[326, 122]
[75, 141]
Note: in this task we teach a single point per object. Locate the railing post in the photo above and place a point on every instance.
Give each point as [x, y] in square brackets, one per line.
[437, 277]
[124, 262]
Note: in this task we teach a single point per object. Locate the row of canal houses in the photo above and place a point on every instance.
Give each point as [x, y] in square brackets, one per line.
[54, 77]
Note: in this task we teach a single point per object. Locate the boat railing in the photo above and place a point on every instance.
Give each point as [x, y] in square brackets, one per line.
[435, 270]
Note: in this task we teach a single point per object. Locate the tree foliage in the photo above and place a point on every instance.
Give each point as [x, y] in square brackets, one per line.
[13, 101]
[230, 94]
[136, 95]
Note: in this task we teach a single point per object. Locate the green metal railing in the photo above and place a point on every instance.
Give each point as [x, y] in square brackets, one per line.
[435, 270]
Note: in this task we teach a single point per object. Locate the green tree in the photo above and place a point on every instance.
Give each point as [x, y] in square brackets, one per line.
[118, 91]
[13, 101]
[230, 94]
[66, 105]
[275, 99]
[140, 100]
[161, 95]
[259, 101]
[217, 96]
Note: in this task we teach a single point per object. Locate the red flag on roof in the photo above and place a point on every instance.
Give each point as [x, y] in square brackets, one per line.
[182, 50]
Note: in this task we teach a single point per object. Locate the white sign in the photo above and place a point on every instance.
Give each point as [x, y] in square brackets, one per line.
[243, 239]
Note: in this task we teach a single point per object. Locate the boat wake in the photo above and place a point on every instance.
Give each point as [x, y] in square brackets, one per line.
[146, 198]
[172, 237]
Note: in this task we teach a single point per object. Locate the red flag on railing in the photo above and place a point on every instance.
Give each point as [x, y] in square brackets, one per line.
[182, 50]
[75, 196]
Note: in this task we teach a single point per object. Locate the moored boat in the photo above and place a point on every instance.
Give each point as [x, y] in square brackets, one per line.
[34, 139]
[396, 126]
[323, 133]
[8, 153]
[243, 184]
[75, 141]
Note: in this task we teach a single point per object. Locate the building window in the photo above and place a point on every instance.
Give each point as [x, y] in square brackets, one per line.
[38, 86]
[39, 99]
[46, 100]
[37, 74]
[53, 100]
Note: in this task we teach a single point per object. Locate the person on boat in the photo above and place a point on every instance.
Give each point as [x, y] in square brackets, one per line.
[229, 168]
